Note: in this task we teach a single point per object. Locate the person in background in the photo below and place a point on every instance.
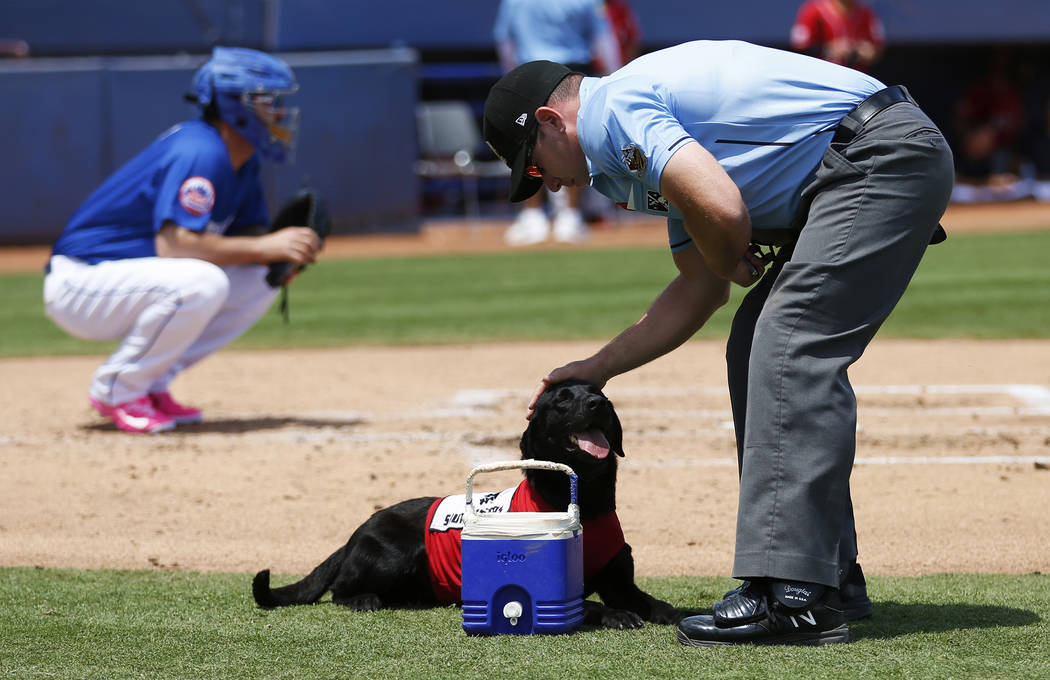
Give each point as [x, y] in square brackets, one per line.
[845, 32]
[625, 27]
[1039, 142]
[169, 254]
[575, 32]
[990, 121]
[14, 47]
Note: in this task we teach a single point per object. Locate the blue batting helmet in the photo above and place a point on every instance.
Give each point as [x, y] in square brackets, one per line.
[244, 86]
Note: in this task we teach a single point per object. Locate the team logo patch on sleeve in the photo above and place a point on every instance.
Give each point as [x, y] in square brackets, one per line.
[656, 201]
[634, 159]
[197, 196]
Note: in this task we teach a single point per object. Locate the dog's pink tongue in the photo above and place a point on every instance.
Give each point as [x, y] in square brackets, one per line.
[593, 442]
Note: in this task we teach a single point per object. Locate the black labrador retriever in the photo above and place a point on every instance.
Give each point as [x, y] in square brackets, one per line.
[386, 564]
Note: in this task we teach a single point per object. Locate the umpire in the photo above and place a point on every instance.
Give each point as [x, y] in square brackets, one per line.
[740, 147]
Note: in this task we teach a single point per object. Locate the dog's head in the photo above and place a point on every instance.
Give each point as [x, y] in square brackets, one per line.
[575, 424]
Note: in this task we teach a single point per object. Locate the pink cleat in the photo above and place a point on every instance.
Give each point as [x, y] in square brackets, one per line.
[137, 415]
[183, 415]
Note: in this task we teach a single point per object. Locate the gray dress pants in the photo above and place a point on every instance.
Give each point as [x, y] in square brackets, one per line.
[868, 217]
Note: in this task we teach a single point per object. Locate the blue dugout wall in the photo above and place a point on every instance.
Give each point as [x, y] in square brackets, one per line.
[437, 24]
[82, 104]
[112, 27]
[70, 122]
[94, 27]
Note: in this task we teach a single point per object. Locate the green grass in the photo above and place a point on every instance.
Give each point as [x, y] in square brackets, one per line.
[159, 625]
[112, 625]
[979, 286]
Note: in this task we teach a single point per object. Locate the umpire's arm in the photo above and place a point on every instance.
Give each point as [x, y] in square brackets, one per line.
[714, 212]
[675, 315]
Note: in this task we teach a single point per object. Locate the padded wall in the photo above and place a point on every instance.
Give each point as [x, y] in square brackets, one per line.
[70, 122]
[357, 137]
[53, 117]
[109, 27]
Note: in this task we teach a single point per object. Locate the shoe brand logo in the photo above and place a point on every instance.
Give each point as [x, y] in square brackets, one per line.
[138, 422]
[793, 592]
[807, 617]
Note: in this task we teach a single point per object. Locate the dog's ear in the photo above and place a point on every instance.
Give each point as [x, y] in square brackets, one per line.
[524, 443]
[615, 432]
[533, 431]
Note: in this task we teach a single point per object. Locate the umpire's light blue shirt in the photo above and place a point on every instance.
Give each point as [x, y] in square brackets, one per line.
[766, 115]
[561, 31]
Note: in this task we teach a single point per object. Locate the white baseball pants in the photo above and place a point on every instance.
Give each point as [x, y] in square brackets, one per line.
[170, 312]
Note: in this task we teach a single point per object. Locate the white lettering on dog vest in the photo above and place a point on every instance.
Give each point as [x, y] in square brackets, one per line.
[449, 513]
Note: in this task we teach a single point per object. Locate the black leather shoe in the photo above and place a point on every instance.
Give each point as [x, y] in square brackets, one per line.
[853, 593]
[754, 616]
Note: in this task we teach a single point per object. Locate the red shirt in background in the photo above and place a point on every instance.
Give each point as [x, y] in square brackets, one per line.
[625, 27]
[829, 30]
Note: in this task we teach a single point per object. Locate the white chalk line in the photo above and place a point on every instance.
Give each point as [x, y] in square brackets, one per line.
[860, 460]
[480, 402]
[475, 454]
[475, 403]
[962, 411]
[1036, 395]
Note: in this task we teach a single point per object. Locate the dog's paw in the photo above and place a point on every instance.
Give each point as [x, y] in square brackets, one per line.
[365, 602]
[621, 619]
[666, 614]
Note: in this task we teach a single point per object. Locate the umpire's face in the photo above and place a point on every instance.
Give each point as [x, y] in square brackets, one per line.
[557, 156]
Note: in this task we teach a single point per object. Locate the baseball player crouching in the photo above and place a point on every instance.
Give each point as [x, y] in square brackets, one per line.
[169, 254]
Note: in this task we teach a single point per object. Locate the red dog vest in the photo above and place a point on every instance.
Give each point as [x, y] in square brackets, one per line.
[602, 539]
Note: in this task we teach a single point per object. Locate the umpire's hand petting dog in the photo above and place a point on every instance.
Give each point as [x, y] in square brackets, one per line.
[386, 563]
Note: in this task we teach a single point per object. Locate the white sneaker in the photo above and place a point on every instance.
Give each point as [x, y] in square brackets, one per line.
[530, 227]
[569, 227]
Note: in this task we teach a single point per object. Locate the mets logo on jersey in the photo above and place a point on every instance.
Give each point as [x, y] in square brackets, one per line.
[197, 196]
[634, 159]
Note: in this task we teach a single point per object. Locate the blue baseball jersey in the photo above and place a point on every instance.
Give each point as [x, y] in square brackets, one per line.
[556, 30]
[766, 115]
[185, 176]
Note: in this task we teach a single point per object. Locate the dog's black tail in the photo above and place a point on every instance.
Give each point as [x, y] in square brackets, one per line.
[306, 591]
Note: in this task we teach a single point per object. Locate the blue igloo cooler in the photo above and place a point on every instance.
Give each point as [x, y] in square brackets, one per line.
[522, 571]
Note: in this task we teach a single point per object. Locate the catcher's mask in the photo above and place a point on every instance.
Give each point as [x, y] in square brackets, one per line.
[244, 88]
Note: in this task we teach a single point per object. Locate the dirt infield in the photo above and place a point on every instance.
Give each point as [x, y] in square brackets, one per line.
[299, 447]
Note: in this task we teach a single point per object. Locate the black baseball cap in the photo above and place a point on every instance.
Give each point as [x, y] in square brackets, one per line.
[510, 119]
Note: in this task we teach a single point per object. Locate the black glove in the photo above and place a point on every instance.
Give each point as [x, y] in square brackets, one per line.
[305, 209]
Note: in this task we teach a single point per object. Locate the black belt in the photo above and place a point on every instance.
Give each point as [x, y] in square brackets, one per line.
[863, 113]
[868, 109]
